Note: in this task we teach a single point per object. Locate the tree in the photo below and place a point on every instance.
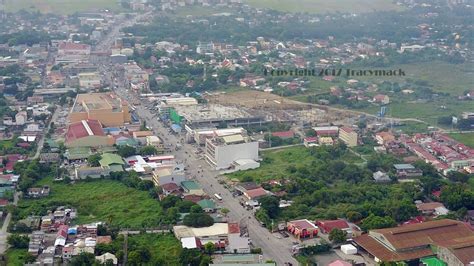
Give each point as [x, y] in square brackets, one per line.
[270, 204]
[18, 241]
[337, 236]
[126, 151]
[83, 259]
[185, 206]
[94, 159]
[353, 216]
[198, 220]
[169, 201]
[377, 222]
[148, 150]
[225, 211]
[209, 248]
[196, 209]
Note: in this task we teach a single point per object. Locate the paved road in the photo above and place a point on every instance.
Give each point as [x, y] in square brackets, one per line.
[40, 144]
[273, 248]
[3, 232]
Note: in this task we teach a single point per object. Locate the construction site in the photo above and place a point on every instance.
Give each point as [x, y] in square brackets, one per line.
[279, 109]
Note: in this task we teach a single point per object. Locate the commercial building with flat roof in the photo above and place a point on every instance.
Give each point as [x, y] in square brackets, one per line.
[107, 108]
[222, 151]
[348, 136]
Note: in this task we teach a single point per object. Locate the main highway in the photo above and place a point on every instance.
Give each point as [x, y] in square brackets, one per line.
[275, 249]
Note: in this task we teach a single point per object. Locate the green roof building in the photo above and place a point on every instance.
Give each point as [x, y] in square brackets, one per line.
[78, 153]
[433, 261]
[207, 205]
[109, 159]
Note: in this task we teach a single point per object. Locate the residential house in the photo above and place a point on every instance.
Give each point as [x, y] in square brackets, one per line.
[255, 194]
[404, 171]
[381, 177]
[38, 192]
[326, 226]
[207, 205]
[381, 98]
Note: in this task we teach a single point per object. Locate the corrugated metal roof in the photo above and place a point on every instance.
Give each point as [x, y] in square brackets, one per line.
[233, 139]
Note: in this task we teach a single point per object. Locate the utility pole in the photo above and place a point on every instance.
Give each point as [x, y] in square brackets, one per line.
[125, 248]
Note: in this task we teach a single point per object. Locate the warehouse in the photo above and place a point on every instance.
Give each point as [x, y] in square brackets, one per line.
[87, 133]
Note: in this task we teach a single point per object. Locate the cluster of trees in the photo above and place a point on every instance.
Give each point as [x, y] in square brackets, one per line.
[196, 216]
[31, 171]
[140, 253]
[131, 179]
[127, 151]
[316, 249]
[327, 187]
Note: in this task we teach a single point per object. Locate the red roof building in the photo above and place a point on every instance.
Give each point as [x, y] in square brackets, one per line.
[87, 133]
[412, 241]
[284, 134]
[302, 229]
[326, 226]
[255, 194]
[234, 228]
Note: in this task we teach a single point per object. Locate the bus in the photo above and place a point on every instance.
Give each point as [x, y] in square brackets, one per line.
[218, 197]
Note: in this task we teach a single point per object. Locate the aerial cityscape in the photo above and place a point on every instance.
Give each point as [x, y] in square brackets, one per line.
[237, 132]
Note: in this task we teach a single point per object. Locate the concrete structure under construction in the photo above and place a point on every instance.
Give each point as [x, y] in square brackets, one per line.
[210, 115]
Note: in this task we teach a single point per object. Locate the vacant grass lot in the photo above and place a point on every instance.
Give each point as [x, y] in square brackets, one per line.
[15, 257]
[323, 6]
[440, 76]
[99, 200]
[61, 6]
[276, 163]
[428, 112]
[164, 247]
[466, 138]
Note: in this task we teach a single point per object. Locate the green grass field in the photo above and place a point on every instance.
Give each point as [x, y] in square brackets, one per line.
[466, 138]
[277, 162]
[163, 247]
[61, 6]
[99, 200]
[15, 257]
[441, 76]
[198, 11]
[321, 6]
[428, 112]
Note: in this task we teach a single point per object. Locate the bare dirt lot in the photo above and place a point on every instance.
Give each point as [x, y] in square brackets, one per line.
[255, 100]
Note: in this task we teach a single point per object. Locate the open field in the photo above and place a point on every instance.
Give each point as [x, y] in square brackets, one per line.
[321, 6]
[440, 76]
[99, 200]
[428, 112]
[198, 11]
[254, 99]
[165, 248]
[277, 162]
[61, 6]
[16, 257]
[466, 138]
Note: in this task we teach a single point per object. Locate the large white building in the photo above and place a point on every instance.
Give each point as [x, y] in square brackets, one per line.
[223, 151]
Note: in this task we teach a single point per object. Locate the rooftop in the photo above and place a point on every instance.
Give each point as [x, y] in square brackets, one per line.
[97, 101]
[84, 128]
